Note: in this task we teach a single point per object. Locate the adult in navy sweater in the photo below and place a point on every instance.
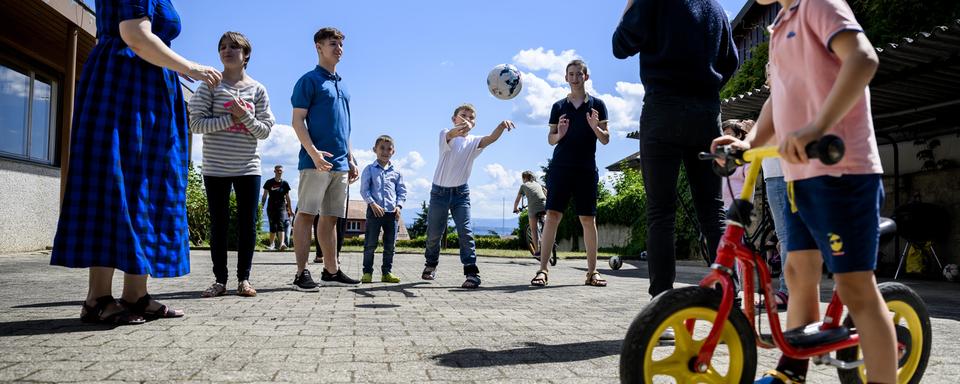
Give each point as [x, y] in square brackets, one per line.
[686, 55]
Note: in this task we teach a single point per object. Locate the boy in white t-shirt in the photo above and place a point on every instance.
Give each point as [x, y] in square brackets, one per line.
[450, 193]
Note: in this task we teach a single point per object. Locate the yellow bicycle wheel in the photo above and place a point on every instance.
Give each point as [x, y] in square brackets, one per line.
[689, 314]
[912, 325]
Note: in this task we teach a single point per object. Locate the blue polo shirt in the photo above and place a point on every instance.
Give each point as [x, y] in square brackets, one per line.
[578, 148]
[327, 102]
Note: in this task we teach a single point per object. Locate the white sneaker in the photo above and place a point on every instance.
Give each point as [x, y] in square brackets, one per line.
[270, 248]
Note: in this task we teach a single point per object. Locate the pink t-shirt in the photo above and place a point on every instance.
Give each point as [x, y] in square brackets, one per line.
[803, 70]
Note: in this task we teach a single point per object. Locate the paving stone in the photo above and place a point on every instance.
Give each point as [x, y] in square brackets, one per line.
[411, 332]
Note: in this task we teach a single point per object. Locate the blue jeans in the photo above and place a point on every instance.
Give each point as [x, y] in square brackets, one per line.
[455, 200]
[673, 130]
[777, 198]
[388, 222]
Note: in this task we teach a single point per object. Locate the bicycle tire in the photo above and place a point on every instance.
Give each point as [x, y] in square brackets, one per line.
[909, 307]
[637, 363]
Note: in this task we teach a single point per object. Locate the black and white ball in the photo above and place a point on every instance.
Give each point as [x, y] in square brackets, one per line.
[504, 82]
[615, 262]
[951, 272]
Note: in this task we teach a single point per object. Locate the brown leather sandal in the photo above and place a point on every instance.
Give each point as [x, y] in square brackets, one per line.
[94, 314]
[538, 281]
[594, 279]
[140, 308]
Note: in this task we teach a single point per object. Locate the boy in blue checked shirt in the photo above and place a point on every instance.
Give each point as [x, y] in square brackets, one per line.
[382, 187]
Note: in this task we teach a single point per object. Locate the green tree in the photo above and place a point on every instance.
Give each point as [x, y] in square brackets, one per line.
[419, 226]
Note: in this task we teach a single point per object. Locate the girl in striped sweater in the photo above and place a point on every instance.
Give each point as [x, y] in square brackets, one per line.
[233, 117]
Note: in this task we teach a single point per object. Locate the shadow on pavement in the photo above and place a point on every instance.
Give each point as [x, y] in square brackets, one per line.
[400, 288]
[377, 306]
[531, 353]
[182, 295]
[50, 326]
[512, 288]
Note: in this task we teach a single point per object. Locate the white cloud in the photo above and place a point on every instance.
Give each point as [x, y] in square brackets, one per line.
[623, 105]
[502, 177]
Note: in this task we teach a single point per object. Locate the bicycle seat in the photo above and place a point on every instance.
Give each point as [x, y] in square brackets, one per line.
[888, 227]
[812, 336]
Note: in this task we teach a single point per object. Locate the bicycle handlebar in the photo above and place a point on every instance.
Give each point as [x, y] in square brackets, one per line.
[829, 149]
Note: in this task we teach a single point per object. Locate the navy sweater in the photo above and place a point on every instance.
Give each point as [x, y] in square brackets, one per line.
[686, 47]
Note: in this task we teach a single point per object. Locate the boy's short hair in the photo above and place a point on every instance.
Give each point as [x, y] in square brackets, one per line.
[278, 166]
[242, 41]
[527, 175]
[579, 63]
[383, 139]
[465, 106]
[328, 33]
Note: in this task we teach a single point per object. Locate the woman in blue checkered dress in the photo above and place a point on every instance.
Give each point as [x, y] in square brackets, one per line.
[124, 203]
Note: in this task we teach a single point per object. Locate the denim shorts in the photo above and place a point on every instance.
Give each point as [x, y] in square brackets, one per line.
[839, 216]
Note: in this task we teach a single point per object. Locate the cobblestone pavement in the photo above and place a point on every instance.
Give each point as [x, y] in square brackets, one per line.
[415, 331]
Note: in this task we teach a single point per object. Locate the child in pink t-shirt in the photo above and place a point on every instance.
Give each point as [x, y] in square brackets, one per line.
[820, 65]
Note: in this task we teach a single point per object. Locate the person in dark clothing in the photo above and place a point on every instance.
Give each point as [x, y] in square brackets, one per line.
[683, 65]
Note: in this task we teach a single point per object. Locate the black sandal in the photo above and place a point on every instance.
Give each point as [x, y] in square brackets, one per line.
[94, 314]
[537, 281]
[429, 273]
[472, 282]
[140, 308]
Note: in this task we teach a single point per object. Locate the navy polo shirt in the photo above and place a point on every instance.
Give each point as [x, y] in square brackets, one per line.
[327, 102]
[578, 148]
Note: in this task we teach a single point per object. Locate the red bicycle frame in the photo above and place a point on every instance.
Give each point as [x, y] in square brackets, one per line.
[733, 250]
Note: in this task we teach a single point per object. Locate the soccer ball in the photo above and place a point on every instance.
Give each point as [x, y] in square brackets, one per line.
[504, 82]
[615, 262]
[951, 272]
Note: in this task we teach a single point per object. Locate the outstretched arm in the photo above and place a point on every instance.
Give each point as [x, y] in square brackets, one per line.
[495, 135]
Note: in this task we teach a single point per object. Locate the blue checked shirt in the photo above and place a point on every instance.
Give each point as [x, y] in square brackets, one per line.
[383, 186]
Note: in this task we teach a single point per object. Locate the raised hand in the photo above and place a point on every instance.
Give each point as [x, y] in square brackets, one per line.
[593, 119]
[506, 124]
[562, 125]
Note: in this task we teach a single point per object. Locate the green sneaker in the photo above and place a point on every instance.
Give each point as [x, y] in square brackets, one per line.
[366, 278]
[389, 277]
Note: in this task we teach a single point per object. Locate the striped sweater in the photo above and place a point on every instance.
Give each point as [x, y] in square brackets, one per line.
[230, 149]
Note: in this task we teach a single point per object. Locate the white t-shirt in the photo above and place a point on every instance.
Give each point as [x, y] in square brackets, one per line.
[771, 167]
[456, 159]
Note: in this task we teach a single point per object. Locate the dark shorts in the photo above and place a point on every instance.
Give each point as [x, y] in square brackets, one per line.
[839, 216]
[278, 220]
[578, 183]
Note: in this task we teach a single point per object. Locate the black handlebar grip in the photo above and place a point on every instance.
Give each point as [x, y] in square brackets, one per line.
[829, 149]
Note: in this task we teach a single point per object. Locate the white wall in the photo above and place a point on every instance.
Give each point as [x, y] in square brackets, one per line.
[29, 206]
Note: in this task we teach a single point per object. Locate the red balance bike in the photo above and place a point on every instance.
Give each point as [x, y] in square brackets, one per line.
[716, 342]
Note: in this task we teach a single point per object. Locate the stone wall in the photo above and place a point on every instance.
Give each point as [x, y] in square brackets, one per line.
[608, 236]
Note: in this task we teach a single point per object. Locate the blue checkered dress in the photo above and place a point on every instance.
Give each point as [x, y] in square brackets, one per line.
[125, 200]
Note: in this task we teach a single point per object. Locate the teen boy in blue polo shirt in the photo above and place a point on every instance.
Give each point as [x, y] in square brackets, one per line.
[577, 122]
[321, 119]
[382, 187]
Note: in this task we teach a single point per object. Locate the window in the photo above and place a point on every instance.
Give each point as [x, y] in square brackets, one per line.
[353, 226]
[27, 114]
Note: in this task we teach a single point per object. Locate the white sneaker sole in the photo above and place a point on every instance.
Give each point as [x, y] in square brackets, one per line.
[301, 289]
[337, 284]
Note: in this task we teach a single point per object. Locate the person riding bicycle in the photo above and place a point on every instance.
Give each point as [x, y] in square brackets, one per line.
[820, 65]
[536, 198]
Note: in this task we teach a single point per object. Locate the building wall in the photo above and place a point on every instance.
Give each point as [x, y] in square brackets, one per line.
[29, 205]
[938, 187]
[751, 30]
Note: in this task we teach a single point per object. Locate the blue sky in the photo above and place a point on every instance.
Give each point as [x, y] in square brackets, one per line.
[408, 64]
